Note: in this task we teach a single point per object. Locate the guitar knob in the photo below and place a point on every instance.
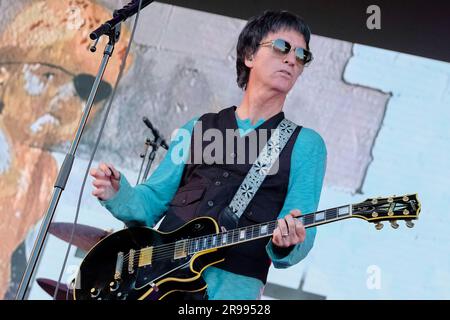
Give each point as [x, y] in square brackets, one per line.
[379, 226]
[394, 224]
[114, 285]
[94, 292]
[409, 224]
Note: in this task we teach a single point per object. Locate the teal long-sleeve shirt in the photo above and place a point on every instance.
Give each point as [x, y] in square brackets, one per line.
[147, 202]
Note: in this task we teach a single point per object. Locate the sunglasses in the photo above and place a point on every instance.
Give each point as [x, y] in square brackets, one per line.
[283, 47]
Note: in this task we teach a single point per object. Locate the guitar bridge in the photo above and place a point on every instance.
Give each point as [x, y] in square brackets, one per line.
[119, 266]
[131, 261]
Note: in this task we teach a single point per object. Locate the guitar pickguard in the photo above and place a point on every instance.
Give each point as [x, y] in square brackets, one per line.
[152, 274]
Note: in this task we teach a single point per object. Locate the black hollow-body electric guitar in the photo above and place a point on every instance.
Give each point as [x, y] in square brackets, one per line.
[142, 263]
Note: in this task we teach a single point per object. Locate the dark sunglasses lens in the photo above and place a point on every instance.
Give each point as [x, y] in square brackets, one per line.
[281, 46]
[304, 56]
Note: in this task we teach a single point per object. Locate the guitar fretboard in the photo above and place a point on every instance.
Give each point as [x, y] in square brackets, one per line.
[262, 230]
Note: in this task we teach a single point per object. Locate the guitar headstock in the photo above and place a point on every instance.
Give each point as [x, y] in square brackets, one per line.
[376, 210]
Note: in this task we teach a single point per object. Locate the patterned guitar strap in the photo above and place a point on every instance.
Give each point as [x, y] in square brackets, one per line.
[229, 218]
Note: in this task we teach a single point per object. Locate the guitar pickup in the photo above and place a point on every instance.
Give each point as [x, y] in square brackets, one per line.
[180, 249]
[145, 256]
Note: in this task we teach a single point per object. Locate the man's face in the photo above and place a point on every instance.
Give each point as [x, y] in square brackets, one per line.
[40, 104]
[273, 71]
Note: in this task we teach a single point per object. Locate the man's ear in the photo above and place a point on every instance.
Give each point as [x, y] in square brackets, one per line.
[249, 61]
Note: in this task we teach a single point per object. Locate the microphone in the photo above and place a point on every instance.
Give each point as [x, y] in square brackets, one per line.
[119, 16]
[155, 133]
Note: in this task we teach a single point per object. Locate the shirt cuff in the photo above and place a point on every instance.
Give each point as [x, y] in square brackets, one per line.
[278, 253]
[121, 197]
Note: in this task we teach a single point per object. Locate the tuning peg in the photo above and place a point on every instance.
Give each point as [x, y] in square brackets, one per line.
[394, 224]
[409, 224]
[379, 226]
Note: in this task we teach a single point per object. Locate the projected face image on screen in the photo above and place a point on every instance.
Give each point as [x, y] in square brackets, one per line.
[46, 69]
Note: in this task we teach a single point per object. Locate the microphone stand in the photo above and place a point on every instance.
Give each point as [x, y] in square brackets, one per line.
[63, 175]
[148, 143]
[155, 145]
[158, 141]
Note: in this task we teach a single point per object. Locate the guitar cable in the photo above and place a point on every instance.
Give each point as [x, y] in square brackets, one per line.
[103, 123]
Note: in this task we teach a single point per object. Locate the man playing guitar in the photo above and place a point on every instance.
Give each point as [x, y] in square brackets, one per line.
[272, 52]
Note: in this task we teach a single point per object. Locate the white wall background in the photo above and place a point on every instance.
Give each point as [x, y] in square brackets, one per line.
[411, 155]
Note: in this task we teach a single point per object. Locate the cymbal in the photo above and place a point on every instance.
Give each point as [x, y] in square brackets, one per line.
[84, 237]
[49, 286]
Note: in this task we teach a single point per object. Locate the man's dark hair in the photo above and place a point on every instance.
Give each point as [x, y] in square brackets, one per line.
[259, 27]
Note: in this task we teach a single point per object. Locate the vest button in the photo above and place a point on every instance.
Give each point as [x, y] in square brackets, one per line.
[226, 174]
[210, 203]
[250, 213]
[183, 201]
[217, 183]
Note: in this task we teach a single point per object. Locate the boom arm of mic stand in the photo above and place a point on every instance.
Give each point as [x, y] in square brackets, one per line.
[119, 16]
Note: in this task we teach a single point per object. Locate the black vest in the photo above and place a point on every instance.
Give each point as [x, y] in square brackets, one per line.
[206, 189]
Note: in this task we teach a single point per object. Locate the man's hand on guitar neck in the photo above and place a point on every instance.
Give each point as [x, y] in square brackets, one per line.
[106, 181]
[290, 231]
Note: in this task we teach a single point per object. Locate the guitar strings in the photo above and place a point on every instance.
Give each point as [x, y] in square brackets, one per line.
[234, 231]
[170, 247]
[162, 254]
[167, 250]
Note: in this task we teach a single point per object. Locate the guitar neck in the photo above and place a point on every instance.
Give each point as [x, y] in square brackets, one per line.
[262, 230]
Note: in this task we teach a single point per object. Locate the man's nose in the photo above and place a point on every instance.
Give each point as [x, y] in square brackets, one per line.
[290, 58]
